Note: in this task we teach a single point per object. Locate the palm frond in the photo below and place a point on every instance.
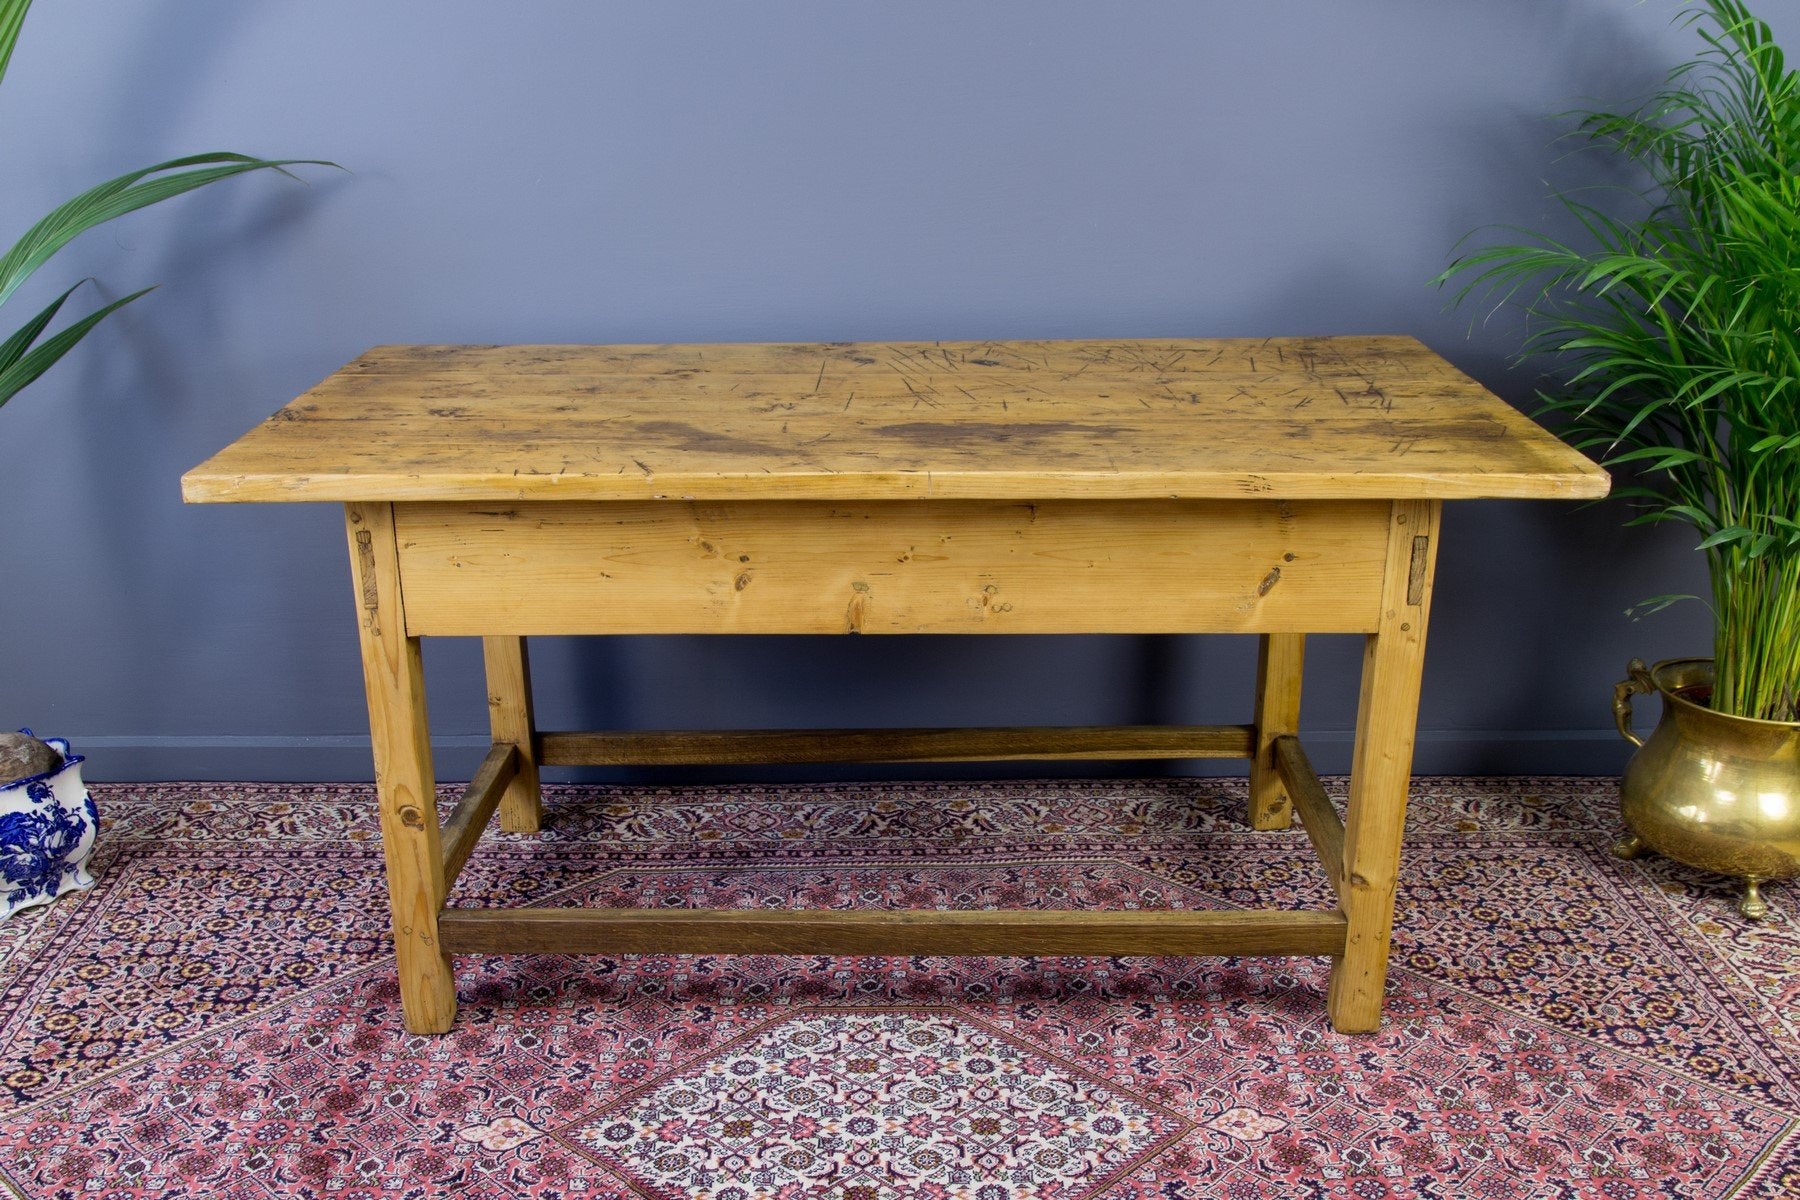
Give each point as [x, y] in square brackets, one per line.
[12, 19]
[121, 195]
[23, 356]
[1679, 332]
[43, 356]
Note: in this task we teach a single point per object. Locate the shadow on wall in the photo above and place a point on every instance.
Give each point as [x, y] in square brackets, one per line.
[1493, 164]
[1487, 163]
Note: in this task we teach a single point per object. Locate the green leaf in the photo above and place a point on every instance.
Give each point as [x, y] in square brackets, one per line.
[22, 356]
[1671, 319]
[1655, 604]
[1699, 518]
[39, 359]
[124, 194]
[12, 18]
[19, 342]
[1731, 533]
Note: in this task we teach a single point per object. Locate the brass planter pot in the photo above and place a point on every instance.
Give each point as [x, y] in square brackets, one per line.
[1711, 790]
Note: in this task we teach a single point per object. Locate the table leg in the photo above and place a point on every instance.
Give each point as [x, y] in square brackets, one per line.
[510, 718]
[1278, 663]
[1381, 768]
[394, 679]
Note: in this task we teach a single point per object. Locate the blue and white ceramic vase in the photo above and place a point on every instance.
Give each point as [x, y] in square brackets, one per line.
[47, 826]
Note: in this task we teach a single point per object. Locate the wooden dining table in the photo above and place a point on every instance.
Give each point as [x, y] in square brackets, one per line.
[1270, 486]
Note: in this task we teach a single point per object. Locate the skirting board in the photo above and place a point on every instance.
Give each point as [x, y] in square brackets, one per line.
[346, 758]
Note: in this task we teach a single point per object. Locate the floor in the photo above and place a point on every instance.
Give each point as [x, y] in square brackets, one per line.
[218, 1017]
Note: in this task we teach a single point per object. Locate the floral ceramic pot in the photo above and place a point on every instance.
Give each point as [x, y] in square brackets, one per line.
[47, 825]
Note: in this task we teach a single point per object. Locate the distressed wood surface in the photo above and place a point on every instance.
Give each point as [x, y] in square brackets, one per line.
[1275, 417]
[463, 828]
[985, 931]
[1323, 825]
[661, 748]
[1381, 768]
[1275, 486]
[405, 787]
[510, 716]
[1280, 664]
[921, 566]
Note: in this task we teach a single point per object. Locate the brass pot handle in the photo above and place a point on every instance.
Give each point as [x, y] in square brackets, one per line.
[1637, 680]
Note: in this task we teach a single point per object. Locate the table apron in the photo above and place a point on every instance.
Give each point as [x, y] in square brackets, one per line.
[908, 566]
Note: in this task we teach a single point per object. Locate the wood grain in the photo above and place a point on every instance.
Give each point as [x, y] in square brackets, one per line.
[393, 677]
[761, 931]
[1272, 486]
[1280, 663]
[471, 815]
[511, 719]
[644, 748]
[1142, 566]
[1323, 826]
[1284, 418]
[1381, 768]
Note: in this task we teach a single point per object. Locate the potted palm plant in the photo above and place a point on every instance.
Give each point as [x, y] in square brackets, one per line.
[47, 819]
[1680, 323]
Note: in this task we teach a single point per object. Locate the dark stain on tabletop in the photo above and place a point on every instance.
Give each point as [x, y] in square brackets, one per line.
[682, 436]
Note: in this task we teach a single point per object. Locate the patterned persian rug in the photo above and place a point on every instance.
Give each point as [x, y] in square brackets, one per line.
[219, 1016]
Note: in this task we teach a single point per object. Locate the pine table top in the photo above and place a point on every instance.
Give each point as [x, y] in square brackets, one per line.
[1275, 418]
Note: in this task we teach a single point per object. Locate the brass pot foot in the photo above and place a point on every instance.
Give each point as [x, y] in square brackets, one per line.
[1630, 846]
[1753, 905]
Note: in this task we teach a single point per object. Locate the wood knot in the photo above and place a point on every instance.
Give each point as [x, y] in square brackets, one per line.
[1269, 581]
[411, 817]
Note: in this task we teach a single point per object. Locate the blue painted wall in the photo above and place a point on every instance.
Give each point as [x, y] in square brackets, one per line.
[586, 171]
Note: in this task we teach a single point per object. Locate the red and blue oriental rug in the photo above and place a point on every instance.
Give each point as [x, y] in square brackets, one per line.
[219, 1018]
